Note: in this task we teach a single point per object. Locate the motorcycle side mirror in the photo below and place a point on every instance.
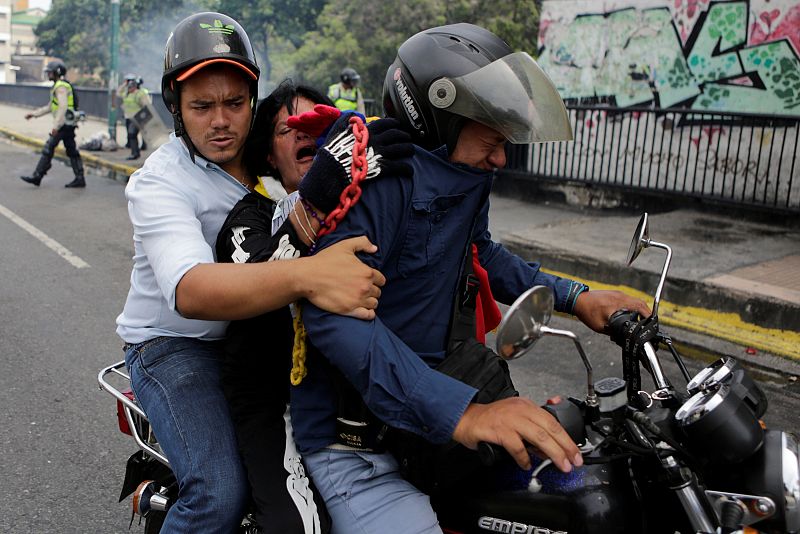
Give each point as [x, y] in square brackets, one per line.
[522, 325]
[526, 321]
[641, 240]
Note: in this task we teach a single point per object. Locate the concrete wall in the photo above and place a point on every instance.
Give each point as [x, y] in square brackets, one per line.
[720, 55]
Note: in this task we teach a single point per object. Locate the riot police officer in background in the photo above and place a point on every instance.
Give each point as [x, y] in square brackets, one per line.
[63, 105]
[346, 95]
[134, 99]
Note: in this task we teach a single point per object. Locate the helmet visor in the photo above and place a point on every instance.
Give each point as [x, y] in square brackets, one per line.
[512, 95]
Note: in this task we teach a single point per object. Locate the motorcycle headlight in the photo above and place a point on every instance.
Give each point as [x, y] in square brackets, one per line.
[773, 473]
[790, 456]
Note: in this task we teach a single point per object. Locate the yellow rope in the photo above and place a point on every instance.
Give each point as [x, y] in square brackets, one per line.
[298, 371]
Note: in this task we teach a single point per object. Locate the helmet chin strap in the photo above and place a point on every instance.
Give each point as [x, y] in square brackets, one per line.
[180, 131]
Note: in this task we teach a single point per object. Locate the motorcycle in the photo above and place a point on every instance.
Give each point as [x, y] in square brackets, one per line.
[148, 476]
[672, 460]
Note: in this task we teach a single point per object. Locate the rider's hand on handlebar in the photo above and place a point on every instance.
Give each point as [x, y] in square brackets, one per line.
[595, 307]
[513, 422]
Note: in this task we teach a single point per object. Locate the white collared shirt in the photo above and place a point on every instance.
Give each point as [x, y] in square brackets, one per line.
[177, 209]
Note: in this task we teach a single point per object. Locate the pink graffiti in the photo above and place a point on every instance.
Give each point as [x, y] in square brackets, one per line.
[787, 27]
[743, 80]
[768, 17]
[686, 14]
[709, 132]
[544, 25]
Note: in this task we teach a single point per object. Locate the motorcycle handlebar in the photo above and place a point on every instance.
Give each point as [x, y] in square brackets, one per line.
[621, 332]
[619, 324]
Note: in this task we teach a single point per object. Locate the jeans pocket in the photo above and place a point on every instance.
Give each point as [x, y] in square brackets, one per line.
[147, 352]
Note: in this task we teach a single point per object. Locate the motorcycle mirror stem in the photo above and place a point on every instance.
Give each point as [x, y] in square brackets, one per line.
[641, 240]
[591, 396]
[526, 321]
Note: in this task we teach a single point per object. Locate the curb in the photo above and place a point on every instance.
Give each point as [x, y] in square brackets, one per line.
[742, 319]
[90, 159]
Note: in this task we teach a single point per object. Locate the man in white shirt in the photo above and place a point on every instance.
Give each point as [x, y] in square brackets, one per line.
[180, 301]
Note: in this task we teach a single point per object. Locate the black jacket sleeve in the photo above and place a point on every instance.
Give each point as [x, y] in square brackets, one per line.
[246, 235]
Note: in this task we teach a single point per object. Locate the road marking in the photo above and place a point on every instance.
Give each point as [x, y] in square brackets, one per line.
[48, 241]
[723, 325]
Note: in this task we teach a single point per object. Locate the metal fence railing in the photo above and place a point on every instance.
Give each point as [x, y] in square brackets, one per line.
[93, 101]
[744, 159]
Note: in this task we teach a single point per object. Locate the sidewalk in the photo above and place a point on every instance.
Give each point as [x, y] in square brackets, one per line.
[34, 132]
[733, 286]
[730, 279]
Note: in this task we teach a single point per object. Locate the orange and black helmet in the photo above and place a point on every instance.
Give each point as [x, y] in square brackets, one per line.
[200, 40]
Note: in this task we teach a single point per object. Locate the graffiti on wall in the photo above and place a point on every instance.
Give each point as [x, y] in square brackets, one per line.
[748, 163]
[709, 55]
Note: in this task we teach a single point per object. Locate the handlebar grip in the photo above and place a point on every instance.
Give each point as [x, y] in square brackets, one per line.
[489, 453]
[618, 324]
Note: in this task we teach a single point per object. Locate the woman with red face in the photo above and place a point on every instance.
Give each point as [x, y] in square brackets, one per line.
[273, 148]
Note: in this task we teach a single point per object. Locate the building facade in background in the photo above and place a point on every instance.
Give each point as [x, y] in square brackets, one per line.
[27, 58]
[739, 56]
[7, 70]
[22, 26]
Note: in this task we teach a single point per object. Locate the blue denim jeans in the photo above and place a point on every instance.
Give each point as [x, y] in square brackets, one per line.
[365, 494]
[177, 383]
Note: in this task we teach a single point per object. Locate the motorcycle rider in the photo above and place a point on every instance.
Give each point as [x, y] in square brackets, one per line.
[464, 94]
[63, 105]
[254, 381]
[180, 301]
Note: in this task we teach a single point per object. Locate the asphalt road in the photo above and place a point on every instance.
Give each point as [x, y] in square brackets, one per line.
[63, 459]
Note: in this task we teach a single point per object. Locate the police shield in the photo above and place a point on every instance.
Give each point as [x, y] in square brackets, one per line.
[142, 117]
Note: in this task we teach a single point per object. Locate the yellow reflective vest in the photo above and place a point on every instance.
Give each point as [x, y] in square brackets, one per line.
[344, 99]
[133, 102]
[54, 98]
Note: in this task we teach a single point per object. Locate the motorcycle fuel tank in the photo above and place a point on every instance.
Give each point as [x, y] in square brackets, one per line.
[593, 499]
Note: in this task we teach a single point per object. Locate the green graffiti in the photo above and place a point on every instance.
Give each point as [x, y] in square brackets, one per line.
[779, 70]
[726, 28]
[625, 54]
[634, 54]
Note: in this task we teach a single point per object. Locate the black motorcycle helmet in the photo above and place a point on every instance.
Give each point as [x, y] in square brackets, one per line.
[447, 75]
[349, 76]
[56, 67]
[200, 40]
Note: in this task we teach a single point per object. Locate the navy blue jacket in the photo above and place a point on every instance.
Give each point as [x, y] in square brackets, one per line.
[420, 226]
